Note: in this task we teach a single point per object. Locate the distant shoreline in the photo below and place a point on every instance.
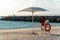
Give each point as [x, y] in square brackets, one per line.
[54, 19]
[28, 21]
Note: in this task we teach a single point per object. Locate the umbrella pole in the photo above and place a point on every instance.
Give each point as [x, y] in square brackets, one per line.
[32, 22]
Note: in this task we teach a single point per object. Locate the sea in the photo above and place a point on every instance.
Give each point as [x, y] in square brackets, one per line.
[21, 24]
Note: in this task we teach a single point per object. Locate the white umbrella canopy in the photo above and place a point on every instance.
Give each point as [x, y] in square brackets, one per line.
[32, 10]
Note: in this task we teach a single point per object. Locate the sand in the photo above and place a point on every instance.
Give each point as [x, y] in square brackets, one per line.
[26, 34]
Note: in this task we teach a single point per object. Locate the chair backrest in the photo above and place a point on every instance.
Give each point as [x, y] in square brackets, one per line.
[46, 21]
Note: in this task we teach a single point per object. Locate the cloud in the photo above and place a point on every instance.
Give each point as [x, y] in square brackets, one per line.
[12, 6]
[52, 5]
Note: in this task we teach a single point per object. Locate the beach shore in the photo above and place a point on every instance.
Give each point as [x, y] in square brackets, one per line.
[26, 34]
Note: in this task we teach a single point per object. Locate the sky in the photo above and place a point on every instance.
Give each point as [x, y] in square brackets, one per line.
[10, 7]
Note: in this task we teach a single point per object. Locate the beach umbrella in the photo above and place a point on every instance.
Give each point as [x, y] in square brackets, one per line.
[32, 10]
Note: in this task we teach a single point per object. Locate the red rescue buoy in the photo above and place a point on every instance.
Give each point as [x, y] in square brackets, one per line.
[47, 27]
